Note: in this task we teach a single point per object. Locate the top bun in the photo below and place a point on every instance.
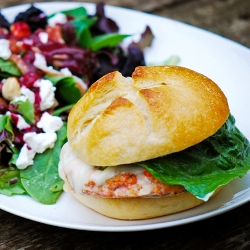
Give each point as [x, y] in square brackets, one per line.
[160, 110]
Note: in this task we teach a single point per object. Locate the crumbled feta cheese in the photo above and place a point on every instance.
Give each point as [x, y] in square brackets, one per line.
[25, 157]
[27, 94]
[58, 18]
[21, 98]
[66, 72]
[5, 51]
[40, 142]
[43, 37]
[30, 95]
[40, 61]
[46, 93]
[49, 123]
[21, 123]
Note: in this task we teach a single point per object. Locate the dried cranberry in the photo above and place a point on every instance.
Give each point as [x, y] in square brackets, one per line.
[14, 118]
[12, 107]
[28, 79]
[33, 128]
[18, 137]
[29, 56]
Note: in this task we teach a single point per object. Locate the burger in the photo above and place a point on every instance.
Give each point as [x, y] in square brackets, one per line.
[156, 143]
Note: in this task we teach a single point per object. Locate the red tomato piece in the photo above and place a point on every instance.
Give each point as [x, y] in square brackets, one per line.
[20, 30]
[55, 33]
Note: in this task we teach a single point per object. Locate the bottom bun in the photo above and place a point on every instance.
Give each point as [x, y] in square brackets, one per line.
[139, 207]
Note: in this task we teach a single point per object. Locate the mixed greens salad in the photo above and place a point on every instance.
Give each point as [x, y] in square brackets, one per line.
[46, 64]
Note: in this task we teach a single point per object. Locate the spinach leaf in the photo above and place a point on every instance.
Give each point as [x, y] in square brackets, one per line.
[5, 123]
[41, 179]
[58, 111]
[15, 155]
[10, 182]
[106, 40]
[9, 176]
[201, 169]
[26, 109]
[82, 28]
[8, 68]
[77, 13]
[66, 89]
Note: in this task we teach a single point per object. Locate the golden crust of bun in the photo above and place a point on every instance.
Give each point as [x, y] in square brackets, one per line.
[140, 208]
[157, 111]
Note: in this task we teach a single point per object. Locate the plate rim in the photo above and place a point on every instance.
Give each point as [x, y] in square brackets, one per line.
[163, 224]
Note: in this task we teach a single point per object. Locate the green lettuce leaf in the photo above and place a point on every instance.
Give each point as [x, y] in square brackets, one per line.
[10, 183]
[82, 28]
[8, 68]
[78, 12]
[26, 109]
[41, 180]
[201, 169]
[7, 150]
[9, 176]
[107, 40]
[5, 123]
[66, 89]
[59, 111]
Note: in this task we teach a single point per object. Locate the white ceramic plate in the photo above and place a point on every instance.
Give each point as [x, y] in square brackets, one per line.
[225, 62]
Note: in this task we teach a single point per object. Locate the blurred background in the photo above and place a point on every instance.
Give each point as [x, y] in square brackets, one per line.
[229, 18]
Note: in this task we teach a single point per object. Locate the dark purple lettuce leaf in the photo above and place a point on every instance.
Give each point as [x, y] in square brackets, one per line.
[104, 24]
[80, 62]
[117, 59]
[34, 17]
[135, 57]
[145, 40]
[69, 34]
[108, 60]
[5, 148]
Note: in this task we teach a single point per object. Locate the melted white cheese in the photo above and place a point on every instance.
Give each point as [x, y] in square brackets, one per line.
[78, 173]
